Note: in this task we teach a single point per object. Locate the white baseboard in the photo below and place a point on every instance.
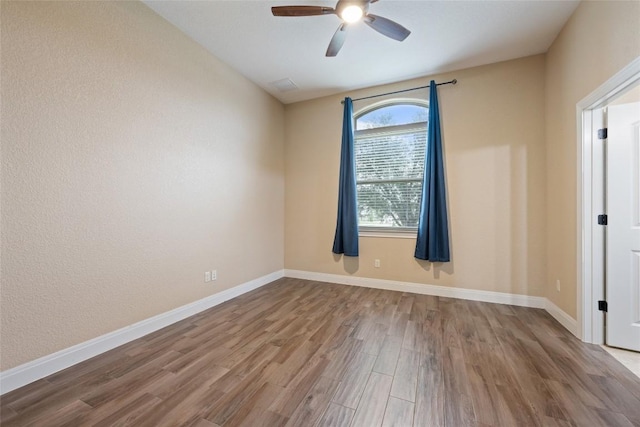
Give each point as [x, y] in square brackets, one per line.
[562, 317]
[47, 365]
[442, 291]
[421, 288]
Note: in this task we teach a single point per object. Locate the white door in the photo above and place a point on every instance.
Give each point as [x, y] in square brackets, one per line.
[623, 226]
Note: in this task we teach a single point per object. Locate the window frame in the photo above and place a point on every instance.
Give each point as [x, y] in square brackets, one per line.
[385, 231]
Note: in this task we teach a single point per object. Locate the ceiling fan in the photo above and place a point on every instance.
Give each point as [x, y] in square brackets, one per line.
[349, 11]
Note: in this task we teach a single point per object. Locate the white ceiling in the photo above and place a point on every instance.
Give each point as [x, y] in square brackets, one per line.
[446, 36]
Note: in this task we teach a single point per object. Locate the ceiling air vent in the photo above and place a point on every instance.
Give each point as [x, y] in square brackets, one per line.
[284, 85]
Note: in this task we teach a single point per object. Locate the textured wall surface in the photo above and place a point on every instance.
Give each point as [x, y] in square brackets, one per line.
[132, 162]
[493, 136]
[597, 42]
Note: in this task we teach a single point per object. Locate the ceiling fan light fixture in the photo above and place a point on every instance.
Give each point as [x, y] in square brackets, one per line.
[352, 13]
[349, 11]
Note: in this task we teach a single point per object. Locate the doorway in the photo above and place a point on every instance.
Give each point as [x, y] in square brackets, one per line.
[597, 269]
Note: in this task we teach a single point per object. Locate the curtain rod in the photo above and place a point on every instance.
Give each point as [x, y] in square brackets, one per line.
[452, 82]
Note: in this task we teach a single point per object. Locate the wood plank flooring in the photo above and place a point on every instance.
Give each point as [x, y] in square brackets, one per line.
[301, 353]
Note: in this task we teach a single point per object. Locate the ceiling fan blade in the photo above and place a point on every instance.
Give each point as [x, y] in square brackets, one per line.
[337, 40]
[387, 27]
[301, 10]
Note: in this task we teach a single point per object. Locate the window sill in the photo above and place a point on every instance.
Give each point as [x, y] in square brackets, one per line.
[387, 233]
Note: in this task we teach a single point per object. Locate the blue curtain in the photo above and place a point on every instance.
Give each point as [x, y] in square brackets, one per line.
[432, 243]
[346, 239]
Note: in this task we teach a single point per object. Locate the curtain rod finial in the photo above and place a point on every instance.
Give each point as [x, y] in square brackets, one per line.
[454, 81]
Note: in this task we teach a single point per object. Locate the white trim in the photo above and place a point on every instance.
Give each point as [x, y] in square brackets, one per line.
[421, 288]
[47, 365]
[593, 234]
[590, 323]
[388, 234]
[561, 316]
[443, 291]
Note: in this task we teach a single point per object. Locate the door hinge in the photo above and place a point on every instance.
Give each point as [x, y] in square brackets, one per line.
[602, 133]
[602, 306]
[602, 219]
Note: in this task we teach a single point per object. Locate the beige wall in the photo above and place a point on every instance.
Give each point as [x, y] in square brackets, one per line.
[599, 40]
[132, 162]
[493, 134]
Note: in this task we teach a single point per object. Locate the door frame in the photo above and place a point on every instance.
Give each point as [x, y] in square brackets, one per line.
[590, 196]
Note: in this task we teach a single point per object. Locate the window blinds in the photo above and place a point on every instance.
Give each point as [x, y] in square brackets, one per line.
[389, 168]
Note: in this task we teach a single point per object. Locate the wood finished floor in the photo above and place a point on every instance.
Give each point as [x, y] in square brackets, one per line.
[302, 353]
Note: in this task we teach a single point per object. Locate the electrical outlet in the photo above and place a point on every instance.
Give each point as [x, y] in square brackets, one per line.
[376, 263]
[207, 276]
[558, 285]
[214, 274]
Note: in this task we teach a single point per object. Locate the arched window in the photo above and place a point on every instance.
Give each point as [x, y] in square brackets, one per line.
[390, 143]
